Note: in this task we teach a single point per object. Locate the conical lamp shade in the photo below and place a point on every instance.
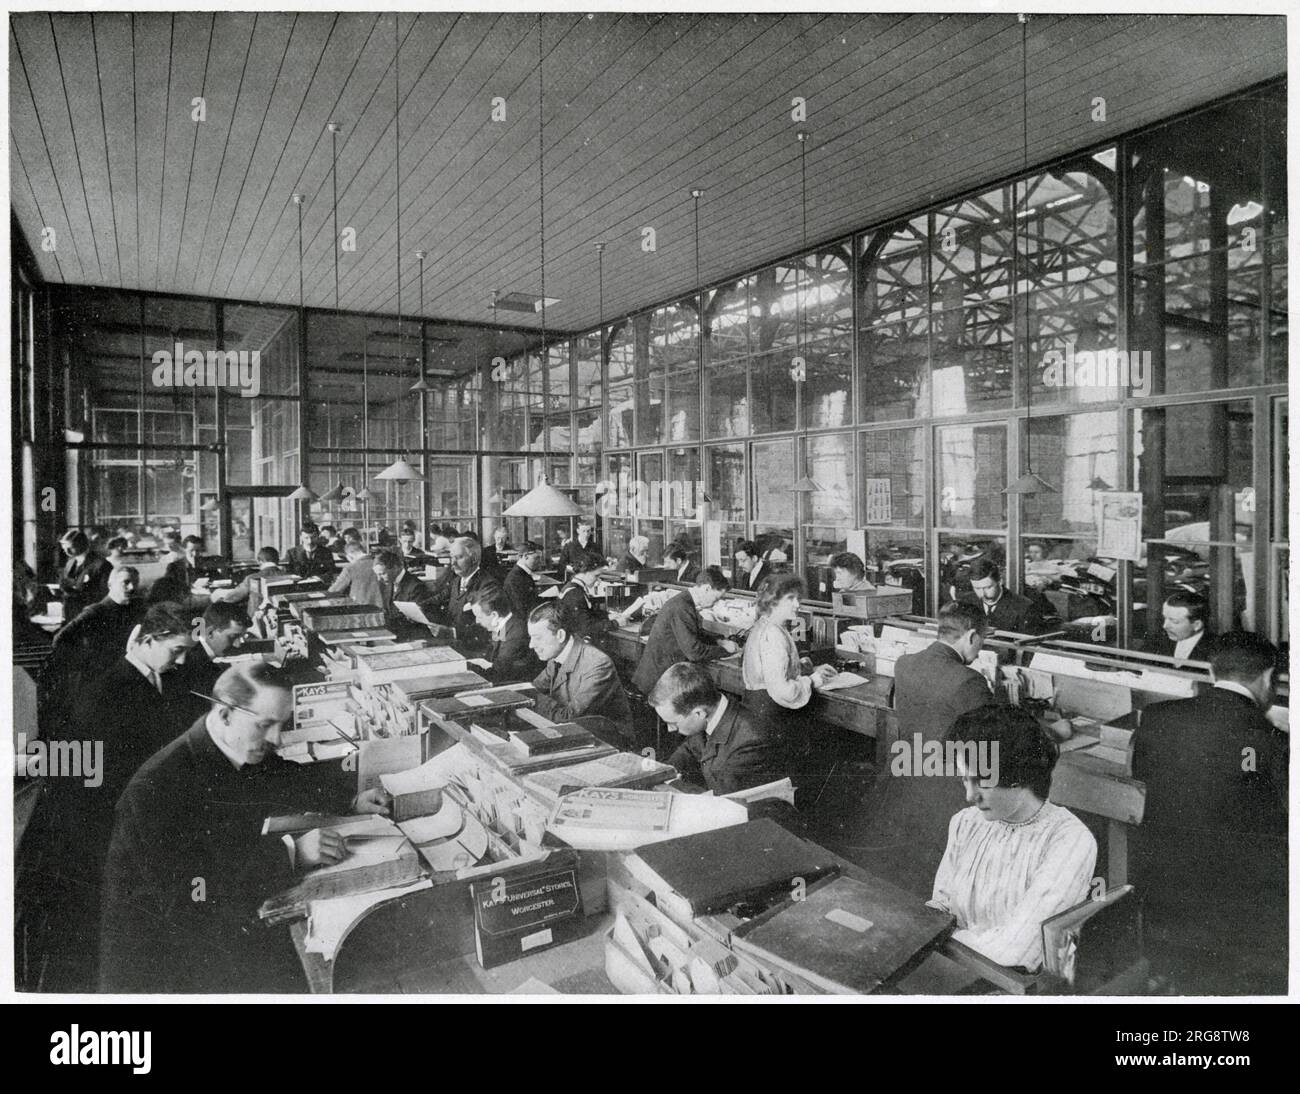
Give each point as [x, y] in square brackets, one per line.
[333, 495]
[420, 385]
[363, 494]
[543, 500]
[1098, 483]
[400, 471]
[302, 494]
[1029, 483]
[806, 486]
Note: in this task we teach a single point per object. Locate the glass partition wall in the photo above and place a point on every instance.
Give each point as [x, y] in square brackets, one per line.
[1113, 321]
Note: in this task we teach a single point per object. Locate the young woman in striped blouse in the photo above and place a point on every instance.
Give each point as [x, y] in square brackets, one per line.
[1013, 858]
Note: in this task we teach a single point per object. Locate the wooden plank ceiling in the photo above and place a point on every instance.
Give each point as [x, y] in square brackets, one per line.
[637, 109]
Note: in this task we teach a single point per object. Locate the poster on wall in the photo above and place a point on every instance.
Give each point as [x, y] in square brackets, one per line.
[879, 505]
[1119, 524]
[712, 543]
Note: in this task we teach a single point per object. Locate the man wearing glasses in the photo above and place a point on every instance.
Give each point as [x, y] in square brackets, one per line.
[188, 865]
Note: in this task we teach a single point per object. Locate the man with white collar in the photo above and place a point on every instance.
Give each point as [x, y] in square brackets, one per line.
[218, 634]
[676, 634]
[1003, 610]
[578, 678]
[723, 749]
[467, 581]
[512, 658]
[188, 865]
[248, 591]
[521, 581]
[750, 567]
[1183, 634]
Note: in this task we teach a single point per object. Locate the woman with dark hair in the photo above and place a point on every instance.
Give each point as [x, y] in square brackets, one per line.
[1013, 858]
[776, 687]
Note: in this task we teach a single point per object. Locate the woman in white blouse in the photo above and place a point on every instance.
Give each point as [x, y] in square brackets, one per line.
[1013, 858]
[776, 687]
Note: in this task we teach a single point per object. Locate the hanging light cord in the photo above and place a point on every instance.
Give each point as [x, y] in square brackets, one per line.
[541, 184]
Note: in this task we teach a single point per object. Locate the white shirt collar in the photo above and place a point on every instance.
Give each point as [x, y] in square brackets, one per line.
[1183, 649]
[465, 580]
[717, 717]
[224, 748]
[1239, 689]
[501, 628]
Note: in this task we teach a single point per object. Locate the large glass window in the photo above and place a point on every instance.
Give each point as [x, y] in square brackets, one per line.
[1204, 235]
[1194, 465]
[971, 321]
[828, 511]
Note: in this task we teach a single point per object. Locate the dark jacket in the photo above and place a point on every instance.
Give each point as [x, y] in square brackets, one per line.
[754, 578]
[740, 752]
[907, 819]
[522, 590]
[1164, 645]
[83, 651]
[408, 588]
[190, 817]
[491, 561]
[512, 658]
[630, 564]
[590, 621]
[73, 822]
[461, 596]
[583, 682]
[688, 575]
[199, 673]
[573, 551]
[319, 562]
[1210, 856]
[83, 583]
[932, 688]
[675, 636]
[1012, 612]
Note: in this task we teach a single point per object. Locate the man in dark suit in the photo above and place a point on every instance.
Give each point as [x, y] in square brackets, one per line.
[578, 678]
[117, 724]
[512, 658]
[84, 579]
[582, 545]
[357, 579]
[1183, 635]
[493, 560]
[519, 584]
[467, 581]
[188, 866]
[220, 631]
[676, 634]
[724, 750]
[87, 648]
[310, 558]
[1003, 609]
[678, 559]
[395, 584]
[908, 814]
[411, 554]
[750, 569]
[1210, 855]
